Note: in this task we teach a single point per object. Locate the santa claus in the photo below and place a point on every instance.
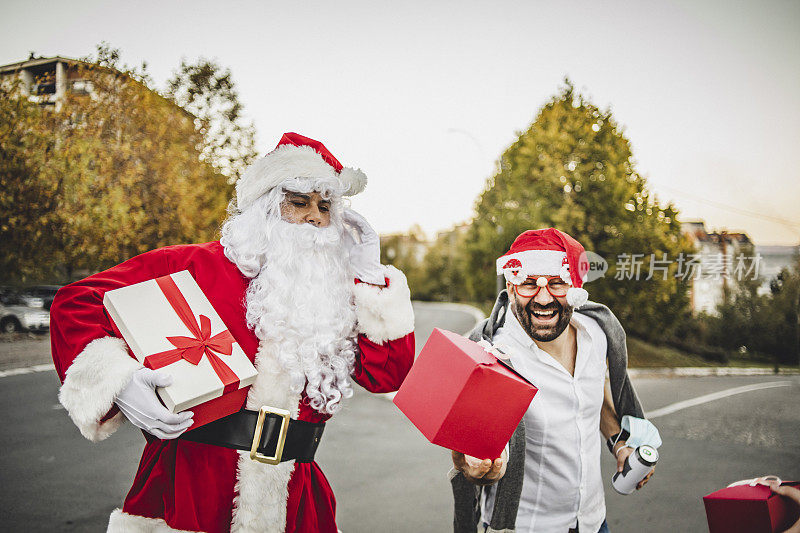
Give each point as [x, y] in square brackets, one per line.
[297, 279]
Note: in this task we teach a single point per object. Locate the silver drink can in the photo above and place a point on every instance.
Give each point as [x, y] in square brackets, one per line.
[636, 467]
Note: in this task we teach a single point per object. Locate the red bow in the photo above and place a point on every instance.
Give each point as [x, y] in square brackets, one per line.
[192, 349]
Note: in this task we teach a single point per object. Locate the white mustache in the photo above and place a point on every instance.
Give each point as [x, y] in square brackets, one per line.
[307, 235]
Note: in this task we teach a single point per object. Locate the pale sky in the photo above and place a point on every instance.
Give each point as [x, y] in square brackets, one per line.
[425, 96]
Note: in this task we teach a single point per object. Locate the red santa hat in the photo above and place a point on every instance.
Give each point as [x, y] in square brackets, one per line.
[295, 156]
[547, 252]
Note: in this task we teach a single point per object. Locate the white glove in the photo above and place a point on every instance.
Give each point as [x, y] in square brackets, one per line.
[139, 402]
[365, 256]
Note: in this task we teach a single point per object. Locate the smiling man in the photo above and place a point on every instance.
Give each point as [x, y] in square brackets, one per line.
[297, 280]
[549, 477]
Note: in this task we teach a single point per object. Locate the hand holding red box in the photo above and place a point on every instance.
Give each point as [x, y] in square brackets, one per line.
[463, 398]
[751, 507]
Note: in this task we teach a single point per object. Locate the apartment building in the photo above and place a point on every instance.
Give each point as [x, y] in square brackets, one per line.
[46, 80]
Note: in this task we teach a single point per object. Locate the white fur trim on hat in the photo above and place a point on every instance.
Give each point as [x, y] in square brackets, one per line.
[92, 383]
[122, 522]
[534, 262]
[289, 161]
[385, 313]
[576, 297]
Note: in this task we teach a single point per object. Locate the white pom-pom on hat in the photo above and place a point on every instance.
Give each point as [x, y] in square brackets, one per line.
[577, 296]
[354, 179]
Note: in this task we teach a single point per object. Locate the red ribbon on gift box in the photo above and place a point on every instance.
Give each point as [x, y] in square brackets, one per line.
[192, 349]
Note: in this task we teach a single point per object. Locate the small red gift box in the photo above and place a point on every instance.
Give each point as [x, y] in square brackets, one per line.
[749, 509]
[463, 398]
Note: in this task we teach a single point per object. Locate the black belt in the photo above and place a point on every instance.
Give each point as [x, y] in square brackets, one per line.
[269, 434]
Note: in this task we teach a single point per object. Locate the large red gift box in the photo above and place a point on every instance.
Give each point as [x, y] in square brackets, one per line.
[169, 323]
[463, 398]
[749, 509]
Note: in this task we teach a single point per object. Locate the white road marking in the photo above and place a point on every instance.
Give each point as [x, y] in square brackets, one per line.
[672, 408]
[27, 370]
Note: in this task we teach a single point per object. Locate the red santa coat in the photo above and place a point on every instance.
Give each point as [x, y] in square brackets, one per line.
[187, 486]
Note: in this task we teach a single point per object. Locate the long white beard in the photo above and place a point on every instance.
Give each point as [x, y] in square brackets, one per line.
[301, 304]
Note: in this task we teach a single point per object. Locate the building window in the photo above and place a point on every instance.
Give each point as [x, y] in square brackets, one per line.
[82, 87]
[48, 87]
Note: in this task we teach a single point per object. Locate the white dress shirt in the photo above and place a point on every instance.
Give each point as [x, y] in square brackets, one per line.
[562, 486]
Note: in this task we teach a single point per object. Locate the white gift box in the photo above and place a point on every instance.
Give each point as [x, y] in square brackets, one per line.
[147, 319]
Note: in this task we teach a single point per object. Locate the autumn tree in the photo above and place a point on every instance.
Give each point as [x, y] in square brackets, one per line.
[573, 169]
[109, 175]
[30, 181]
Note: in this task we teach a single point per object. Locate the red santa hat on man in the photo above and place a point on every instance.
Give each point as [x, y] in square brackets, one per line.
[296, 156]
[547, 252]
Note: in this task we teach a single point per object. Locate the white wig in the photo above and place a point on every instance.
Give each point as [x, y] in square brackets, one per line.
[299, 299]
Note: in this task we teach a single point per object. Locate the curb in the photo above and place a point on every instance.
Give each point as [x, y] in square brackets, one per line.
[27, 370]
[702, 371]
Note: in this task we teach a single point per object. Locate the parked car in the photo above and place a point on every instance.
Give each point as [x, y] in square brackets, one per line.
[17, 315]
[45, 292]
[31, 301]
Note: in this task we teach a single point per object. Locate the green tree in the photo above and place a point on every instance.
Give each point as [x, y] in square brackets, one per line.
[208, 92]
[406, 251]
[781, 334]
[761, 323]
[442, 278]
[573, 169]
[734, 326]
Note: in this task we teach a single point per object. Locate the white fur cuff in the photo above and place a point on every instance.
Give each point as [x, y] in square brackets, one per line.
[385, 313]
[92, 382]
[121, 522]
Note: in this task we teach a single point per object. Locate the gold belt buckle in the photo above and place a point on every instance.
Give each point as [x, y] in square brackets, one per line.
[260, 457]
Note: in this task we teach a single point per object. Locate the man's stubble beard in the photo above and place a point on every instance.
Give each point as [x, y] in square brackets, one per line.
[541, 334]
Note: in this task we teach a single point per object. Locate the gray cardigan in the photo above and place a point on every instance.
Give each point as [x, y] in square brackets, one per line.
[466, 496]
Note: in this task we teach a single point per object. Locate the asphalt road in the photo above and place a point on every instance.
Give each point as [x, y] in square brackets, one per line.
[386, 476]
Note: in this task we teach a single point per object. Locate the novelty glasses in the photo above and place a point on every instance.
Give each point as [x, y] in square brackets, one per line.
[529, 288]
